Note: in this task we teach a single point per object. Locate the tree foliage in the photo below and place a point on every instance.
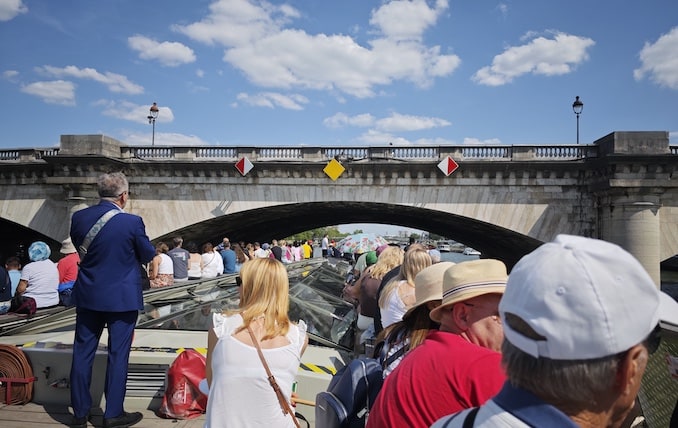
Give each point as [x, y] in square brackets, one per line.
[317, 234]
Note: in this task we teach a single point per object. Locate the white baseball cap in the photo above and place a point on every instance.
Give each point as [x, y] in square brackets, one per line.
[588, 298]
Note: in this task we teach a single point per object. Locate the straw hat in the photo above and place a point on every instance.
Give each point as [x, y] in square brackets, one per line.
[428, 285]
[470, 279]
[67, 246]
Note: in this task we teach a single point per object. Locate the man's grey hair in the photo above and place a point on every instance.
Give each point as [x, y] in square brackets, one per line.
[578, 383]
[111, 186]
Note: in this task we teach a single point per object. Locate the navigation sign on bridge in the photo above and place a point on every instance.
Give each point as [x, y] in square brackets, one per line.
[448, 165]
[244, 166]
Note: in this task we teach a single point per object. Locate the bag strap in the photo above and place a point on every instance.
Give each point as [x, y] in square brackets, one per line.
[470, 418]
[271, 379]
[82, 249]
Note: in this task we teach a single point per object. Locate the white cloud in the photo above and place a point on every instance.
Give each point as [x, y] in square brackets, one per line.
[406, 20]
[374, 136]
[273, 99]
[200, 73]
[489, 141]
[10, 75]
[659, 60]
[259, 41]
[401, 122]
[114, 82]
[340, 120]
[541, 56]
[9, 9]
[170, 54]
[163, 139]
[133, 112]
[52, 92]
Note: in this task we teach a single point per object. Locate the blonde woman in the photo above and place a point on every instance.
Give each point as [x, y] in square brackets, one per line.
[398, 295]
[239, 392]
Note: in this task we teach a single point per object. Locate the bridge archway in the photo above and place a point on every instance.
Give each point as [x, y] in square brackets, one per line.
[279, 221]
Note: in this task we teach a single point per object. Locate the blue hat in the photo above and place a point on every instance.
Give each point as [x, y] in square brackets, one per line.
[39, 251]
[265, 246]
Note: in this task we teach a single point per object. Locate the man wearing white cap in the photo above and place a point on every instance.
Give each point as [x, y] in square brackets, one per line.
[580, 319]
[457, 366]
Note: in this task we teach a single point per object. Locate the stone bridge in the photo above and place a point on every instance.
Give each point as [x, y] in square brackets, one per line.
[502, 200]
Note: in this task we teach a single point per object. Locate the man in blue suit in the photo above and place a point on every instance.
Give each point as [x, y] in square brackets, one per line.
[107, 293]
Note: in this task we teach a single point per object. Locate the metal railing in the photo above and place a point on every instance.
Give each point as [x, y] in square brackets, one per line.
[323, 154]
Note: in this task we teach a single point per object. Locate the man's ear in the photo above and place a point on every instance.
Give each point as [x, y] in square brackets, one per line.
[460, 314]
[630, 370]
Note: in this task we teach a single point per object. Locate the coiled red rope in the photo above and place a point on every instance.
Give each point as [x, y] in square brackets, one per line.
[16, 376]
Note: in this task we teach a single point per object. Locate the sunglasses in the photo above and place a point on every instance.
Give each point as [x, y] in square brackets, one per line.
[654, 340]
[238, 281]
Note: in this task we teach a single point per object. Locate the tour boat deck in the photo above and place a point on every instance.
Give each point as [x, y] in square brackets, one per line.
[33, 415]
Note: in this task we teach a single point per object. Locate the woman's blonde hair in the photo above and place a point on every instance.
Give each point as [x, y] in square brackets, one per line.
[265, 291]
[388, 259]
[414, 261]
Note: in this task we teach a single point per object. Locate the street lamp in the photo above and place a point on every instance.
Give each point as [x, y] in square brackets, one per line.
[577, 107]
[153, 114]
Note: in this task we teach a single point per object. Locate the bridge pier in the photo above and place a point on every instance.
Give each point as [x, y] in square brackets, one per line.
[632, 202]
[635, 226]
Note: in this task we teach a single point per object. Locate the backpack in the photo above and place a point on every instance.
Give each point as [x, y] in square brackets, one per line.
[350, 395]
[183, 398]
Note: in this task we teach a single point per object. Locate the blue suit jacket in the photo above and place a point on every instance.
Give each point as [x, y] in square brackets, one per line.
[109, 277]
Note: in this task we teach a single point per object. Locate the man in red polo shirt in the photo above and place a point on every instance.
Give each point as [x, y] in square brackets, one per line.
[458, 366]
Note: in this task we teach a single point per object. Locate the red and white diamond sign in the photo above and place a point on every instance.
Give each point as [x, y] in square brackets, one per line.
[244, 165]
[448, 166]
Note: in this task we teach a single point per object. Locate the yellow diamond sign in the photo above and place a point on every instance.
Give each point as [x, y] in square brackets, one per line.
[334, 169]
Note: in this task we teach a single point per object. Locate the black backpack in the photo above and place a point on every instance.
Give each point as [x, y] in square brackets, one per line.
[350, 395]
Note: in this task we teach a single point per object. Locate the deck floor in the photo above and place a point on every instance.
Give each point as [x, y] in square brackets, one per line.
[33, 415]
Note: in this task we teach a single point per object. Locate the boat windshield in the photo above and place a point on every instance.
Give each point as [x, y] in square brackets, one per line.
[315, 297]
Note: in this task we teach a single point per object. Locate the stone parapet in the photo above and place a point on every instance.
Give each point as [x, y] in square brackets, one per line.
[88, 145]
[634, 142]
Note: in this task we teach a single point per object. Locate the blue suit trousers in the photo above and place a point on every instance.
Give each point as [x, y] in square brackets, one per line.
[89, 326]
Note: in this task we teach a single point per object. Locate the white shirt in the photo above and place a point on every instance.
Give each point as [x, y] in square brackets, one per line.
[212, 264]
[240, 395]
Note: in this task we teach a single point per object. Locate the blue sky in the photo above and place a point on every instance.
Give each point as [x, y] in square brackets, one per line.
[336, 73]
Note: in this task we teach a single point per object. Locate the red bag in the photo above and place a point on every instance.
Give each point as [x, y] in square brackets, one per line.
[183, 398]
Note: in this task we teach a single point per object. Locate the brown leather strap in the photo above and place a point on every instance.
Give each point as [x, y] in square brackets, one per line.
[271, 379]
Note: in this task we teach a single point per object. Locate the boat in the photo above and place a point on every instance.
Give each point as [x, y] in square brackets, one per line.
[468, 251]
[444, 246]
[176, 318]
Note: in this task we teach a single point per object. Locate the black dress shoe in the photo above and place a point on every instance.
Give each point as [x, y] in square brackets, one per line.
[124, 420]
[79, 422]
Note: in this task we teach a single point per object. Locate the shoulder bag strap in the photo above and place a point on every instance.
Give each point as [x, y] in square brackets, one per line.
[82, 249]
[470, 418]
[271, 379]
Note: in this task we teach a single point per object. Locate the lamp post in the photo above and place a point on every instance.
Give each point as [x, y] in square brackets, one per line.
[153, 114]
[577, 107]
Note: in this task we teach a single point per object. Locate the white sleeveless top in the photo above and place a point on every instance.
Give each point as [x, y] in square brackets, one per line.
[240, 395]
[395, 308]
[166, 265]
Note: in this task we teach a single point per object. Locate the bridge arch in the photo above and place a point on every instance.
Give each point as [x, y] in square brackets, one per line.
[267, 223]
